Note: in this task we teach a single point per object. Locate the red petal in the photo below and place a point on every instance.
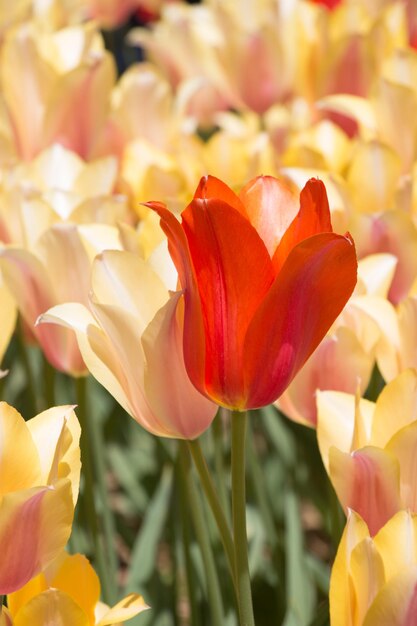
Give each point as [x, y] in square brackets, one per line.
[194, 340]
[307, 296]
[271, 207]
[313, 218]
[234, 272]
[212, 188]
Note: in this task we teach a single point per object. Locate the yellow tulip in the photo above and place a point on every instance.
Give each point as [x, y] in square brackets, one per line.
[39, 479]
[374, 579]
[67, 593]
[130, 337]
[368, 448]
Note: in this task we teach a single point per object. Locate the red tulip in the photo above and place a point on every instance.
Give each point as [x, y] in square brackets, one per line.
[262, 285]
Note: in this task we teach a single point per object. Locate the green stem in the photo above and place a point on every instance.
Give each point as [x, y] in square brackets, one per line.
[87, 445]
[258, 480]
[211, 495]
[239, 519]
[217, 431]
[185, 545]
[202, 535]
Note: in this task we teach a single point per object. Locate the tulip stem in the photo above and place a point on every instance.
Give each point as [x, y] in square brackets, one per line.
[239, 420]
[211, 495]
[88, 444]
[203, 538]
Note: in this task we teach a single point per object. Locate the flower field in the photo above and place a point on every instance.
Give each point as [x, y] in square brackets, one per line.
[208, 313]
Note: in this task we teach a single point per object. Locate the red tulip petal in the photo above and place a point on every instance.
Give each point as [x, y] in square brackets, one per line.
[271, 207]
[194, 341]
[234, 273]
[305, 299]
[213, 188]
[313, 218]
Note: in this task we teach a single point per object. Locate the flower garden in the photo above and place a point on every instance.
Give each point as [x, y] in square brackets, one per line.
[208, 337]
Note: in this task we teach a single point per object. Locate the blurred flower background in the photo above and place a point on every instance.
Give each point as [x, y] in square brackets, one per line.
[109, 108]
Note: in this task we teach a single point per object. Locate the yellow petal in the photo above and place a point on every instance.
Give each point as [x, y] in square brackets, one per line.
[51, 607]
[403, 446]
[56, 433]
[395, 605]
[114, 281]
[377, 271]
[341, 588]
[396, 407]
[20, 597]
[78, 580]
[127, 608]
[397, 543]
[20, 466]
[336, 420]
[367, 577]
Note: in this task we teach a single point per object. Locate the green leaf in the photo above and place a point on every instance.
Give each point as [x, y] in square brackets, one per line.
[146, 544]
[299, 584]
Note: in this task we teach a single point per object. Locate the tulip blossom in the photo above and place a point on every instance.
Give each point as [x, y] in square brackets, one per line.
[67, 593]
[130, 338]
[368, 449]
[262, 284]
[56, 270]
[374, 579]
[57, 186]
[67, 77]
[40, 471]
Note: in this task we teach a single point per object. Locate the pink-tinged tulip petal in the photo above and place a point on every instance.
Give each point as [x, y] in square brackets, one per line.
[396, 408]
[124, 610]
[20, 464]
[56, 432]
[396, 603]
[268, 201]
[339, 363]
[35, 523]
[313, 218]
[376, 272]
[180, 407]
[393, 232]
[368, 482]
[397, 543]
[317, 267]
[51, 607]
[34, 294]
[19, 598]
[341, 586]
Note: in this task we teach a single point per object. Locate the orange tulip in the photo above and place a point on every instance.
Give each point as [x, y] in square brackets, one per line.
[262, 285]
